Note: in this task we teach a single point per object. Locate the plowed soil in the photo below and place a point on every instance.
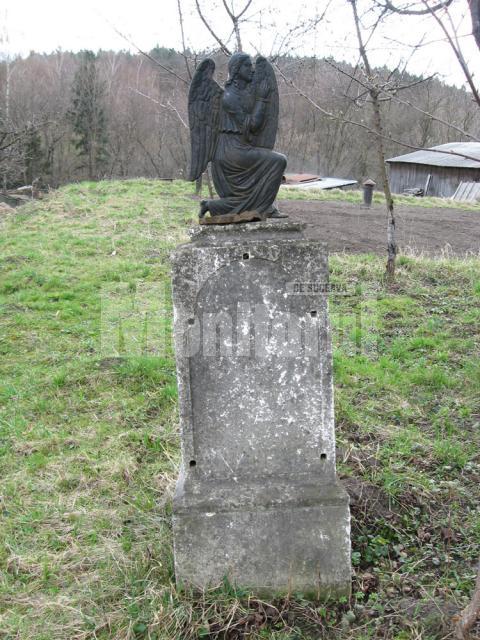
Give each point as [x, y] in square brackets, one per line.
[347, 227]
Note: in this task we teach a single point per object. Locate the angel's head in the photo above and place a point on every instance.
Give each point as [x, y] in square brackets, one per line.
[240, 66]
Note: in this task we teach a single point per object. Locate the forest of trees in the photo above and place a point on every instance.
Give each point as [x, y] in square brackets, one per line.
[71, 116]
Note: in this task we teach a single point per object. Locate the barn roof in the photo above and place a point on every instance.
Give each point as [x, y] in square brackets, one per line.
[446, 158]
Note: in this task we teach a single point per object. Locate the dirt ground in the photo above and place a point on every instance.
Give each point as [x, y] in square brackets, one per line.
[346, 227]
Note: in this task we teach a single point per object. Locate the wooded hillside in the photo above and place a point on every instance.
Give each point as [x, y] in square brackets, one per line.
[69, 116]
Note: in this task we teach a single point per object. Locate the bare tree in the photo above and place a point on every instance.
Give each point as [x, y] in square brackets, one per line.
[182, 33]
[374, 92]
[235, 18]
[440, 13]
[223, 47]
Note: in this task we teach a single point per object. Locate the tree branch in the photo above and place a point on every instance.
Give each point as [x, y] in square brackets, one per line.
[245, 8]
[414, 12]
[362, 125]
[437, 119]
[391, 94]
[234, 20]
[474, 6]
[458, 54]
[223, 47]
[147, 55]
[184, 49]
[169, 106]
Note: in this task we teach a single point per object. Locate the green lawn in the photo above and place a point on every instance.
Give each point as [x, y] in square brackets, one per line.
[89, 444]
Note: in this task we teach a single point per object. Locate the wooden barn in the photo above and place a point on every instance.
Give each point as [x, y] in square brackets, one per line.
[437, 171]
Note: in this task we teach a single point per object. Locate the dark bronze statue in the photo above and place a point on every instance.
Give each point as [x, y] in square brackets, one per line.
[235, 128]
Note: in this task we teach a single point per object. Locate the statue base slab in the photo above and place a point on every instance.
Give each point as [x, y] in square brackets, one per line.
[233, 218]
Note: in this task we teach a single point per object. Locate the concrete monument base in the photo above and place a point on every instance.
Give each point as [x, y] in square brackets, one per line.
[270, 537]
[257, 500]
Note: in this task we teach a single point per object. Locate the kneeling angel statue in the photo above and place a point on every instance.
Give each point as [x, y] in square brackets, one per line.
[235, 129]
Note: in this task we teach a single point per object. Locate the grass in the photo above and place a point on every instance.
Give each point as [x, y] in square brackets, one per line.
[89, 447]
[356, 196]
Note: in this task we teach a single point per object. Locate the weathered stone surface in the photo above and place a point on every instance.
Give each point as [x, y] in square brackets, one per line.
[257, 499]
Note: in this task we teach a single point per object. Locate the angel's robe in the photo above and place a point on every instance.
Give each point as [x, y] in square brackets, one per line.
[246, 177]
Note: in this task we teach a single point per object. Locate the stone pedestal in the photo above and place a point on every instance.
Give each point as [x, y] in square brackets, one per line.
[257, 499]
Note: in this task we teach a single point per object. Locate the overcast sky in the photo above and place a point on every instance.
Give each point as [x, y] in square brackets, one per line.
[47, 25]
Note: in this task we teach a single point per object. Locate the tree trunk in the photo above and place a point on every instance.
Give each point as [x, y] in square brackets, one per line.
[391, 240]
[209, 183]
[470, 614]
[90, 161]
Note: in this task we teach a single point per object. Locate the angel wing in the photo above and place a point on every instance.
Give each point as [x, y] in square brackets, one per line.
[264, 71]
[204, 104]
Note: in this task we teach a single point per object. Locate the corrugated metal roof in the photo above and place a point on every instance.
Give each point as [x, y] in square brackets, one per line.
[321, 183]
[446, 159]
[296, 178]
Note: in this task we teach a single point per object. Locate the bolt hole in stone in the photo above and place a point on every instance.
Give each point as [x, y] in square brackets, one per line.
[193, 463]
[323, 456]
[246, 256]
[191, 321]
[313, 314]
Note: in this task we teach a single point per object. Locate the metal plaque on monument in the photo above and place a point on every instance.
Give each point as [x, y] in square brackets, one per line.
[257, 499]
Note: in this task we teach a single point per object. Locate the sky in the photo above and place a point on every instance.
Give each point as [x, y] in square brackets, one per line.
[48, 25]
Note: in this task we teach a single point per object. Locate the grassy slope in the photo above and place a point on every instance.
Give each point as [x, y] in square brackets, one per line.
[89, 446]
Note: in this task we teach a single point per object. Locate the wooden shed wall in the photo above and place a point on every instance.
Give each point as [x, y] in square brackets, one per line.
[444, 182]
